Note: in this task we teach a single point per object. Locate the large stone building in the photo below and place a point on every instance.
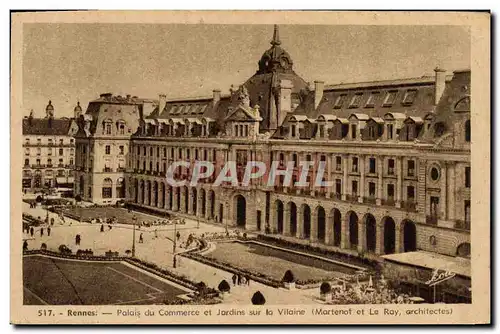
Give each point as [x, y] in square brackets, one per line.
[49, 151]
[397, 153]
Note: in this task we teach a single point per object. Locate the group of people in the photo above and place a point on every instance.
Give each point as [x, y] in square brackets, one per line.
[241, 280]
[31, 231]
[163, 222]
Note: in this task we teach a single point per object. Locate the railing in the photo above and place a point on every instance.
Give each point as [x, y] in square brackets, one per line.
[389, 201]
[411, 172]
[121, 169]
[409, 205]
[370, 199]
[107, 170]
[431, 220]
[390, 171]
[352, 198]
[462, 224]
[50, 165]
[337, 195]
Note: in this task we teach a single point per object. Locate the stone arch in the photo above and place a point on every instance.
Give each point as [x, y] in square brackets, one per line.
[352, 222]
[389, 235]
[203, 202]
[321, 224]
[409, 236]
[279, 215]
[370, 232]
[161, 192]
[336, 218]
[155, 194]
[107, 188]
[292, 207]
[211, 204]
[306, 220]
[141, 192]
[194, 199]
[463, 250]
[185, 193]
[148, 190]
[240, 210]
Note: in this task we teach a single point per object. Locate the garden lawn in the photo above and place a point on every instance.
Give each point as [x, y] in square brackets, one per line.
[274, 262]
[121, 214]
[66, 282]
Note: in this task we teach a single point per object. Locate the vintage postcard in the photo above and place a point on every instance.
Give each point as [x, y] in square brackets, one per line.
[250, 167]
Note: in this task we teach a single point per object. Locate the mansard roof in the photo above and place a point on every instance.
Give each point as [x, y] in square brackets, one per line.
[47, 126]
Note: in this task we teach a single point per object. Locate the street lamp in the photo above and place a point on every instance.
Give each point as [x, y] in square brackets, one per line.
[134, 218]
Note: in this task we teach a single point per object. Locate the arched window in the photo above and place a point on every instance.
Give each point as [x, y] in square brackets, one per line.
[107, 188]
[120, 188]
[467, 130]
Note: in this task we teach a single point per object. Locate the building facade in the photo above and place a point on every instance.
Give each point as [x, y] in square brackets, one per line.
[397, 154]
[49, 152]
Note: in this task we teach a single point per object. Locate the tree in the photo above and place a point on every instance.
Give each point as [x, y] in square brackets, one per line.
[78, 198]
[128, 252]
[325, 288]
[43, 246]
[288, 277]
[224, 286]
[258, 298]
[39, 199]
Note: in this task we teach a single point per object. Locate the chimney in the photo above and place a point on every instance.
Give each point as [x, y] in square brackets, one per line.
[439, 84]
[162, 102]
[318, 92]
[216, 96]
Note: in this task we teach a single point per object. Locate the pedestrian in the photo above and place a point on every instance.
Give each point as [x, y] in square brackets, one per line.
[156, 234]
[178, 235]
[32, 231]
[109, 227]
[234, 279]
[140, 239]
[48, 231]
[248, 280]
[41, 232]
[102, 228]
[77, 240]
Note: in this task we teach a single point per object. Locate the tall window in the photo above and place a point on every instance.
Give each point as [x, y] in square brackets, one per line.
[390, 130]
[108, 128]
[411, 193]
[49, 162]
[338, 186]
[122, 149]
[150, 151]
[295, 160]
[353, 131]
[467, 130]
[61, 151]
[371, 189]
[338, 163]
[158, 152]
[411, 168]
[107, 188]
[390, 191]
[26, 162]
[354, 164]
[467, 177]
[390, 167]
[122, 129]
[372, 165]
[354, 188]
[108, 149]
[180, 153]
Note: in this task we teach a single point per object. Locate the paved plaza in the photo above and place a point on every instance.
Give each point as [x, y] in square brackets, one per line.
[157, 248]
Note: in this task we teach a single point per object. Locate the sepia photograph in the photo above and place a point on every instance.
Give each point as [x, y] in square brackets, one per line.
[314, 167]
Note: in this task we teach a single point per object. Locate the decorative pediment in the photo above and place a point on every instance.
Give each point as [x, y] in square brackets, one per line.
[242, 114]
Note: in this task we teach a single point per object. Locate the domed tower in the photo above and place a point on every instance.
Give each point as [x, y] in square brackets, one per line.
[77, 111]
[49, 110]
[275, 87]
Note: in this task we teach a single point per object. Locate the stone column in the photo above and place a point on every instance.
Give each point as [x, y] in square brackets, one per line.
[199, 205]
[361, 178]
[161, 199]
[345, 188]
[399, 184]
[314, 226]
[344, 233]
[191, 200]
[379, 241]
[329, 230]
[361, 236]
[300, 223]
[380, 185]
[286, 220]
[398, 242]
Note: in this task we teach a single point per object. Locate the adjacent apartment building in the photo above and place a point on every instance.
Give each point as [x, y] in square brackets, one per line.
[49, 152]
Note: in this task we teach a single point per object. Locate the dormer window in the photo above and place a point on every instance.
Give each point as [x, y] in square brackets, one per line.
[294, 130]
[389, 99]
[339, 101]
[390, 131]
[409, 97]
[354, 130]
[355, 100]
[372, 100]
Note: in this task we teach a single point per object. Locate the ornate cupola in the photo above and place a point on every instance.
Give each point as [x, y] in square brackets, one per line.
[77, 111]
[276, 59]
[49, 110]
